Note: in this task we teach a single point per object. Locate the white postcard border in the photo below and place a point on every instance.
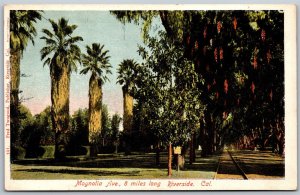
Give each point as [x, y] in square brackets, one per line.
[288, 183]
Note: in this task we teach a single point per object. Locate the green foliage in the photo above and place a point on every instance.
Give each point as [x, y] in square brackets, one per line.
[168, 96]
[96, 61]
[37, 130]
[128, 71]
[106, 122]
[48, 151]
[110, 130]
[22, 28]
[79, 124]
[137, 17]
[25, 117]
[20, 152]
[61, 47]
[174, 22]
[237, 55]
[115, 125]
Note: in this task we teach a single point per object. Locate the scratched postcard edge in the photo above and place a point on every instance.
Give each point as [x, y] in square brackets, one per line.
[290, 180]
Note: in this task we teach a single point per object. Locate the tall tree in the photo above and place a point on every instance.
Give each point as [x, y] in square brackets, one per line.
[126, 77]
[171, 105]
[61, 54]
[96, 61]
[22, 30]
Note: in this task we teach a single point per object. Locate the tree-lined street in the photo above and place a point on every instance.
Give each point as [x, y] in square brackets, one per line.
[204, 82]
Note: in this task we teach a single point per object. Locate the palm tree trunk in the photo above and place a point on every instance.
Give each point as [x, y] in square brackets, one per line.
[127, 119]
[15, 57]
[128, 112]
[60, 90]
[95, 113]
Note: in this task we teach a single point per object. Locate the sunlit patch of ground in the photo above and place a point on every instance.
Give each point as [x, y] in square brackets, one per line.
[227, 169]
[261, 164]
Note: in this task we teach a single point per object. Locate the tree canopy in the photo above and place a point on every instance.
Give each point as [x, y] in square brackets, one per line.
[237, 56]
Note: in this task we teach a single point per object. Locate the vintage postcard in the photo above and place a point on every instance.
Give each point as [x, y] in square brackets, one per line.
[150, 97]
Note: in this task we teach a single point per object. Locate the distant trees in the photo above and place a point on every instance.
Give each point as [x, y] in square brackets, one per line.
[105, 122]
[78, 134]
[37, 131]
[115, 126]
[111, 132]
[106, 140]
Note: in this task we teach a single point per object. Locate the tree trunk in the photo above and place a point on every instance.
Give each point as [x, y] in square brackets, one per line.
[213, 136]
[209, 130]
[128, 112]
[170, 160]
[95, 115]
[191, 151]
[15, 57]
[192, 148]
[127, 118]
[157, 156]
[60, 90]
[203, 138]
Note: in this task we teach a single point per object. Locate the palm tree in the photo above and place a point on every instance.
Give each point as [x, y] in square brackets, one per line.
[61, 54]
[127, 75]
[22, 30]
[97, 63]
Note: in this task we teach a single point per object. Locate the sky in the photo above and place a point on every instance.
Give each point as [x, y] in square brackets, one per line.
[94, 27]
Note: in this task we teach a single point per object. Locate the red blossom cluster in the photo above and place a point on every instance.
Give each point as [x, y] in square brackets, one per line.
[254, 64]
[226, 86]
[219, 26]
[263, 35]
[234, 22]
[252, 87]
[205, 32]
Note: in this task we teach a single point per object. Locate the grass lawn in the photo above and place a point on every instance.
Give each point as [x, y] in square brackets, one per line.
[135, 166]
[257, 165]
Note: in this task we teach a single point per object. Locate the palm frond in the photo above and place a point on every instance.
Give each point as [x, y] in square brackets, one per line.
[97, 61]
[85, 70]
[48, 33]
[22, 26]
[70, 29]
[127, 72]
[54, 26]
[60, 42]
[15, 41]
[49, 41]
[47, 61]
[73, 40]
[45, 51]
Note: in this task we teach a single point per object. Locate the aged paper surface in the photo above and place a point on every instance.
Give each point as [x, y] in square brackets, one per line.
[58, 145]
